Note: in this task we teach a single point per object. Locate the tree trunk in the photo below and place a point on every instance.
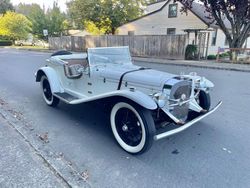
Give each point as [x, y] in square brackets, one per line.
[234, 53]
[113, 31]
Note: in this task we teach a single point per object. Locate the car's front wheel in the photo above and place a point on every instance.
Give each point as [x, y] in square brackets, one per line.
[133, 127]
[203, 99]
[48, 97]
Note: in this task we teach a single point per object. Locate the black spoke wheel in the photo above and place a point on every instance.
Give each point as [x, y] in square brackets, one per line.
[133, 127]
[47, 93]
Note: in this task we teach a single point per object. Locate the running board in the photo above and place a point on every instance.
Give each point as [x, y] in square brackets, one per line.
[66, 97]
[186, 125]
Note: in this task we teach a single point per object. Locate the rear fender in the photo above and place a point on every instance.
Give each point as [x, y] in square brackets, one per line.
[52, 77]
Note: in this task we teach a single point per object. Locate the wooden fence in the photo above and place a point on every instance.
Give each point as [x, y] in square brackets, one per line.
[164, 46]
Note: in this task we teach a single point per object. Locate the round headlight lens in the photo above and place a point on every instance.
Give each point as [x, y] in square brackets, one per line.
[160, 99]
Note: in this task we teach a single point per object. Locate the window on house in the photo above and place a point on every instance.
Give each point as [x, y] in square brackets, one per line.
[171, 31]
[214, 38]
[226, 42]
[131, 32]
[172, 11]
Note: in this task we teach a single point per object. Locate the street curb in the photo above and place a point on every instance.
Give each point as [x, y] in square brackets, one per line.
[30, 49]
[211, 65]
[37, 50]
[61, 167]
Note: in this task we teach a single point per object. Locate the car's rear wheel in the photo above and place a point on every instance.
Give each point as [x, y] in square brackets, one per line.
[48, 97]
[204, 101]
[133, 127]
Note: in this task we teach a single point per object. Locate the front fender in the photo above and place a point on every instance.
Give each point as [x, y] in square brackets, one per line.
[203, 82]
[139, 98]
[136, 96]
[52, 77]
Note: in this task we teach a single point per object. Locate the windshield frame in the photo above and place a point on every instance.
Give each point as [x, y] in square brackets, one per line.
[109, 56]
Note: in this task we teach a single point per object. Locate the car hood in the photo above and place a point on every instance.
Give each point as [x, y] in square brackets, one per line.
[148, 78]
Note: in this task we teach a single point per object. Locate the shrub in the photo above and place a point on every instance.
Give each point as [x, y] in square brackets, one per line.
[5, 42]
[191, 52]
[211, 57]
[225, 54]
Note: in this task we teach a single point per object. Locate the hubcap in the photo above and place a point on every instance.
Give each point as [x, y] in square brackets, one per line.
[125, 127]
[128, 126]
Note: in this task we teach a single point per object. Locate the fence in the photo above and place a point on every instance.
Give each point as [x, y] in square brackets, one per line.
[164, 46]
[233, 55]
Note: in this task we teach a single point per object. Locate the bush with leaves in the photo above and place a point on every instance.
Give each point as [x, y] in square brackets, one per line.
[14, 26]
[191, 52]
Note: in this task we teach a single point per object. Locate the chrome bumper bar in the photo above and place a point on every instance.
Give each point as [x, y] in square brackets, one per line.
[187, 125]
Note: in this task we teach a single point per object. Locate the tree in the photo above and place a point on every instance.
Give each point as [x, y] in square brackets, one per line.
[55, 21]
[105, 13]
[14, 26]
[234, 12]
[36, 15]
[5, 6]
[151, 1]
[91, 27]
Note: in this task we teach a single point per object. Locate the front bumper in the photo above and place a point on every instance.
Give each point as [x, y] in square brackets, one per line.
[186, 125]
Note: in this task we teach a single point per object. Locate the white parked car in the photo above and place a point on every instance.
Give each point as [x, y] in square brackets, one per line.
[145, 104]
[29, 42]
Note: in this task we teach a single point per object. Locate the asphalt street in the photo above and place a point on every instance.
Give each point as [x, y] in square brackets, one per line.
[213, 153]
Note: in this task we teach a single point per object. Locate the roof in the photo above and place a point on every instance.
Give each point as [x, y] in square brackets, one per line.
[197, 9]
[159, 1]
[78, 32]
[154, 6]
[200, 11]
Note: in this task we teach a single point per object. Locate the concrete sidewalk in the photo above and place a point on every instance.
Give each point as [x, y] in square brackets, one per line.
[200, 64]
[20, 166]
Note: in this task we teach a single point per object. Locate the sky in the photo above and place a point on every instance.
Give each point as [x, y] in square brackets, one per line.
[46, 3]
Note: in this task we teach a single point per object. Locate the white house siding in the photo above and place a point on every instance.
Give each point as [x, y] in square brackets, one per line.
[157, 23]
[247, 44]
[220, 42]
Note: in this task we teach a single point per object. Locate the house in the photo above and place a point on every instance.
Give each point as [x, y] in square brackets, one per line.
[165, 18]
[78, 33]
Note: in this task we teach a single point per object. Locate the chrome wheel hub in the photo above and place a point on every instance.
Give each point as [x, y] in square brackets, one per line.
[125, 128]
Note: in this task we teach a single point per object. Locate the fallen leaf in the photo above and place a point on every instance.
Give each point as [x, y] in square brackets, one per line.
[44, 137]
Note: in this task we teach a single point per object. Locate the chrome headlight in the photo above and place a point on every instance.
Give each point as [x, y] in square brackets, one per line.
[160, 99]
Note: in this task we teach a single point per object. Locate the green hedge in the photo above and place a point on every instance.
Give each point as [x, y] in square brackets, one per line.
[211, 57]
[225, 54]
[5, 42]
[191, 52]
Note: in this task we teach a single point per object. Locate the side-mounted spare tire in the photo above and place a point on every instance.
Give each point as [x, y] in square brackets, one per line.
[61, 52]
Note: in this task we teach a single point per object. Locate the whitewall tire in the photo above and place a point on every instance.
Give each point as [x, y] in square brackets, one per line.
[132, 126]
[48, 97]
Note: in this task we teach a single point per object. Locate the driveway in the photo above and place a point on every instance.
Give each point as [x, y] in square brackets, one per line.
[213, 153]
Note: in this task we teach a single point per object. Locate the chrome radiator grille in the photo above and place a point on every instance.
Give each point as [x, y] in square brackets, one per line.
[180, 91]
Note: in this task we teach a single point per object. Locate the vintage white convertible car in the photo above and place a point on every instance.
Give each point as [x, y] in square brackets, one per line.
[145, 104]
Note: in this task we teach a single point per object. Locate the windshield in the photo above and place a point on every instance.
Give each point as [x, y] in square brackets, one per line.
[109, 55]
